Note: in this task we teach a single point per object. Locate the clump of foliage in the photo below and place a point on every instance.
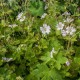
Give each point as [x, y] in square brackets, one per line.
[39, 40]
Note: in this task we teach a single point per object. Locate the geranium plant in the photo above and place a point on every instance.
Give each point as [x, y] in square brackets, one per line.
[40, 40]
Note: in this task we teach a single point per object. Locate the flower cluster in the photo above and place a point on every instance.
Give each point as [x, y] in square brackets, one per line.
[45, 29]
[69, 30]
[20, 17]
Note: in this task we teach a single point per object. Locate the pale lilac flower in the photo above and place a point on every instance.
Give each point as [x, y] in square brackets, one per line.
[43, 16]
[60, 26]
[7, 59]
[13, 25]
[67, 63]
[70, 30]
[63, 33]
[20, 17]
[69, 20]
[51, 53]
[45, 29]
[66, 13]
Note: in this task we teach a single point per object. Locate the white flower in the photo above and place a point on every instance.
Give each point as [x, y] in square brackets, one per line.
[13, 26]
[69, 20]
[7, 59]
[45, 29]
[67, 63]
[43, 16]
[51, 53]
[66, 13]
[63, 33]
[20, 17]
[70, 30]
[60, 26]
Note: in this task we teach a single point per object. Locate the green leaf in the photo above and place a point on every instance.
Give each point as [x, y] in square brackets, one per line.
[60, 60]
[37, 8]
[55, 75]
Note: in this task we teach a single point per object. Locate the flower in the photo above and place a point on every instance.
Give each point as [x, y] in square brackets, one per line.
[66, 13]
[67, 63]
[63, 33]
[7, 59]
[45, 29]
[51, 53]
[20, 17]
[70, 30]
[60, 26]
[13, 26]
[43, 16]
[69, 20]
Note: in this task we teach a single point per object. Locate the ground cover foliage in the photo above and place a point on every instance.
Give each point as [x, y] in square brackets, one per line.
[39, 39]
